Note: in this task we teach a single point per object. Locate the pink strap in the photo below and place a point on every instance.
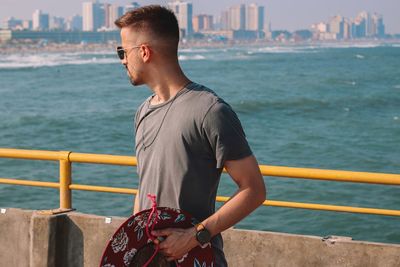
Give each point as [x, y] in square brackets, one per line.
[148, 232]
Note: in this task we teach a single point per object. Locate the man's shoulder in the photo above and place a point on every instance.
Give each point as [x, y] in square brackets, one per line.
[202, 97]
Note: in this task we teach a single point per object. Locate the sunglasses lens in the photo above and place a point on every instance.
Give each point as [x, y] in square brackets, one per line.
[120, 52]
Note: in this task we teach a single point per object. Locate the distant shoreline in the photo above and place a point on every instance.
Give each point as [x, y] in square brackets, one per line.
[34, 48]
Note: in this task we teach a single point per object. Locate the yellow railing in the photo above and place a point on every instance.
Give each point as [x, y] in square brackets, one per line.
[65, 184]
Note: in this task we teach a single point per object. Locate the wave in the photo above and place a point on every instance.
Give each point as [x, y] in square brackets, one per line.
[191, 57]
[49, 60]
[282, 49]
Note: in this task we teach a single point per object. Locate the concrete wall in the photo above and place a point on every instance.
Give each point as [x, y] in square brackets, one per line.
[28, 238]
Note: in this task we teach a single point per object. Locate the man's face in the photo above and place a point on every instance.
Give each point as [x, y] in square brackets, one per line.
[132, 61]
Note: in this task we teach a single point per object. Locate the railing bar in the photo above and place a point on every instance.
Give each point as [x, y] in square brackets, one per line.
[105, 189]
[274, 203]
[349, 209]
[103, 159]
[331, 175]
[29, 183]
[279, 171]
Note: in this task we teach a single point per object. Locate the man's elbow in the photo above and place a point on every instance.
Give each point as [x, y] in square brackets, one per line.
[261, 192]
[262, 195]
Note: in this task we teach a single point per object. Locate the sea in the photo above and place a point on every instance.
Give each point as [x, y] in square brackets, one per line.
[330, 106]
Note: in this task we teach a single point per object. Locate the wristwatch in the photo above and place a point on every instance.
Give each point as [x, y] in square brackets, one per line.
[203, 236]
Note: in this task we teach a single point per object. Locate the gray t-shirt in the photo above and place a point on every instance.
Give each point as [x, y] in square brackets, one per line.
[181, 147]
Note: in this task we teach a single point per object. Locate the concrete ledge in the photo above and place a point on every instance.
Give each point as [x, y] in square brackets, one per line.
[15, 237]
[28, 238]
[256, 248]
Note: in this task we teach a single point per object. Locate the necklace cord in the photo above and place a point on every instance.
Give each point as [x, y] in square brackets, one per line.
[162, 121]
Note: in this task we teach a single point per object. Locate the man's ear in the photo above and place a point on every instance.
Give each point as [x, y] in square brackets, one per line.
[145, 52]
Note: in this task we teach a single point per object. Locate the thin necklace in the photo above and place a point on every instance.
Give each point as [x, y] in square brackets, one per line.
[162, 121]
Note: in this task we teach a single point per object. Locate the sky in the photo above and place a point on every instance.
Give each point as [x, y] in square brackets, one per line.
[282, 14]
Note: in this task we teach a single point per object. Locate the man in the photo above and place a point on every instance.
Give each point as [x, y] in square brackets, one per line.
[185, 135]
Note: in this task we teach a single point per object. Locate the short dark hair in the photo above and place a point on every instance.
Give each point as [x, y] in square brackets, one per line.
[157, 19]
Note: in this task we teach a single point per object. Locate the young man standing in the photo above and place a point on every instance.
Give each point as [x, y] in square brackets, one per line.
[185, 136]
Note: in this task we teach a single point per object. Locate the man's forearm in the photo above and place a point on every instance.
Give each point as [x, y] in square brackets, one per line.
[242, 203]
[136, 203]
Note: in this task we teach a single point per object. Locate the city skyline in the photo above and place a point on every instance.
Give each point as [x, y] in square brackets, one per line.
[278, 14]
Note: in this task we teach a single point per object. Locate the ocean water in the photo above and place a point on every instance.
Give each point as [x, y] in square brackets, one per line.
[318, 106]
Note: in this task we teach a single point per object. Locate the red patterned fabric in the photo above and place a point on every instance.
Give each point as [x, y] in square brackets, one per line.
[131, 237]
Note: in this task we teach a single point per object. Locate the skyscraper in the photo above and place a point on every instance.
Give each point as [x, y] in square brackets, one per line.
[202, 22]
[40, 21]
[92, 15]
[74, 23]
[184, 13]
[336, 26]
[57, 23]
[115, 12]
[378, 28]
[254, 17]
[224, 22]
[237, 17]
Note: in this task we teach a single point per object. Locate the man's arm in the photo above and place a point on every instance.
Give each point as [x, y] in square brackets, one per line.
[251, 193]
[136, 203]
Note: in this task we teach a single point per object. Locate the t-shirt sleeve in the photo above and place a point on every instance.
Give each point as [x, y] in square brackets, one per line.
[225, 134]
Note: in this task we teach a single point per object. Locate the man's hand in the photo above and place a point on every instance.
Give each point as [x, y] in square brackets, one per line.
[177, 242]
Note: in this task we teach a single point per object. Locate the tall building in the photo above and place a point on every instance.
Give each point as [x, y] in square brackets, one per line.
[202, 23]
[358, 28]
[378, 28]
[114, 13]
[346, 29]
[224, 22]
[74, 23]
[106, 8]
[12, 23]
[27, 24]
[184, 13]
[366, 17]
[92, 16]
[255, 17]
[336, 26]
[237, 17]
[40, 21]
[57, 23]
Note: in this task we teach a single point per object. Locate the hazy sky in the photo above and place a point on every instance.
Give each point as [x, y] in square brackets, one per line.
[283, 14]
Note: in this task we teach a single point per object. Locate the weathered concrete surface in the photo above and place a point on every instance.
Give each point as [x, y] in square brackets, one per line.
[91, 234]
[73, 239]
[255, 248]
[15, 237]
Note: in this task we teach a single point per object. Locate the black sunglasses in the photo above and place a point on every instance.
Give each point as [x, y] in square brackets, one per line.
[122, 51]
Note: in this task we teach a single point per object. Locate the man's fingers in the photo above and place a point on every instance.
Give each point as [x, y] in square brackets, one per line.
[170, 259]
[162, 232]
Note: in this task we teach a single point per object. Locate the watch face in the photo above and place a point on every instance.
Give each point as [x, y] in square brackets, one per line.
[203, 236]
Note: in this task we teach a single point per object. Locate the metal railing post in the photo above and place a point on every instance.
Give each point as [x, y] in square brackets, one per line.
[65, 182]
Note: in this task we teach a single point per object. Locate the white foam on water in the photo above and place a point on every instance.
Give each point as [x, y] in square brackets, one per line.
[360, 56]
[280, 49]
[191, 57]
[353, 83]
[52, 59]
[196, 50]
[397, 86]
[351, 45]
